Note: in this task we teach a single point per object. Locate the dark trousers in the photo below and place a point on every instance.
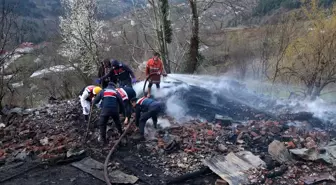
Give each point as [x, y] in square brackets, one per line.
[153, 113]
[126, 82]
[128, 108]
[150, 84]
[104, 84]
[103, 123]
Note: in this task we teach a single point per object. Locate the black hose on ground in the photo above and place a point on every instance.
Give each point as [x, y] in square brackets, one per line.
[106, 176]
[107, 180]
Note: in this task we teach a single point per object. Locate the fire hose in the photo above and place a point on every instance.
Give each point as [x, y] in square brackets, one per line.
[106, 177]
[149, 76]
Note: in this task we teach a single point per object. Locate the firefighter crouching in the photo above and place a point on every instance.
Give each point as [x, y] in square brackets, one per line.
[127, 93]
[146, 108]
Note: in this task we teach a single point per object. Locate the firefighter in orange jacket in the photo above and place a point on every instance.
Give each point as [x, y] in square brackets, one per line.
[154, 68]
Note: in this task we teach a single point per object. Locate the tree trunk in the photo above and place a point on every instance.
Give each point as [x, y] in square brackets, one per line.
[318, 87]
[316, 93]
[166, 32]
[192, 60]
[309, 90]
[163, 48]
[164, 53]
[161, 33]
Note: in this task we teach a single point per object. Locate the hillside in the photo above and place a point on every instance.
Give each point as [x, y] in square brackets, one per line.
[229, 44]
[44, 9]
[241, 100]
[39, 18]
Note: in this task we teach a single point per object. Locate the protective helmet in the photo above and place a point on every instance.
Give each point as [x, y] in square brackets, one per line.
[116, 63]
[96, 90]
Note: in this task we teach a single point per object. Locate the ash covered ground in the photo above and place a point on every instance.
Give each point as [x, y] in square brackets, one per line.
[205, 119]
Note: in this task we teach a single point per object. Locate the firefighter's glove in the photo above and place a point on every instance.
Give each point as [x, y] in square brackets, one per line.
[134, 80]
[98, 81]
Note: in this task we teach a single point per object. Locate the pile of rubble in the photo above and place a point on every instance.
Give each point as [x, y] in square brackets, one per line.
[292, 152]
[54, 131]
[259, 151]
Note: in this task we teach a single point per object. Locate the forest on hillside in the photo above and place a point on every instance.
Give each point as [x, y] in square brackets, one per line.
[268, 6]
[293, 48]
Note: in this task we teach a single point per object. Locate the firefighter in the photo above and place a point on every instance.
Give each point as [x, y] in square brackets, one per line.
[154, 68]
[86, 97]
[104, 69]
[120, 73]
[111, 102]
[146, 108]
[127, 93]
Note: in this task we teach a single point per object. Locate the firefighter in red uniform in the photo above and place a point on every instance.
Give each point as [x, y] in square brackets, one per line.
[146, 108]
[154, 68]
[119, 73]
[111, 104]
[126, 94]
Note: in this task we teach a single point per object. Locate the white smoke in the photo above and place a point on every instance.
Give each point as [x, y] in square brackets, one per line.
[138, 88]
[150, 132]
[163, 123]
[174, 106]
[321, 109]
[177, 109]
[221, 86]
[318, 107]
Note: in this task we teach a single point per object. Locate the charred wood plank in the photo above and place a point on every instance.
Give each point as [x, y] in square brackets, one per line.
[187, 176]
[135, 171]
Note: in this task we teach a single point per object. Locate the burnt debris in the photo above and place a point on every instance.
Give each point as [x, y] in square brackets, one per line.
[292, 148]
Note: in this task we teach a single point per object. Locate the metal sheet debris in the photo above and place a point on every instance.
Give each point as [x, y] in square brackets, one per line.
[327, 153]
[95, 168]
[233, 167]
[317, 178]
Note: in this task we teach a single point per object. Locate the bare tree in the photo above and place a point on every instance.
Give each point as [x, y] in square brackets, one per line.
[186, 32]
[310, 58]
[156, 28]
[8, 31]
[197, 9]
[82, 35]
